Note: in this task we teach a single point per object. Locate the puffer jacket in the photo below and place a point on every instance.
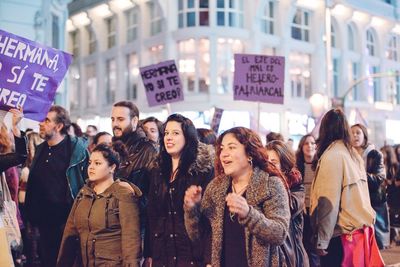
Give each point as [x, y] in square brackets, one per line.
[102, 229]
[167, 242]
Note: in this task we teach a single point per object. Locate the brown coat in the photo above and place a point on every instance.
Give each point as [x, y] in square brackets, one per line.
[102, 229]
[266, 225]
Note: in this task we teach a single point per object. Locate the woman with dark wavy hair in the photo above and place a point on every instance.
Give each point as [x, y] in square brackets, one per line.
[341, 211]
[182, 162]
[283, 158]
[246, 204]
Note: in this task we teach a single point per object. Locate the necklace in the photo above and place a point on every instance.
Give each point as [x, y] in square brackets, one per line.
[173, 175]
[232, 214]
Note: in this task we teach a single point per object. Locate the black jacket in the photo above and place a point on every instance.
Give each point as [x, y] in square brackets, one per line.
[136, 168]
[376, 175]
[12, 159]
[167, 241]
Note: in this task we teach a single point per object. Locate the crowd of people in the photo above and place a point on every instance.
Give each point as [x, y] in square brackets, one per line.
[155, 193]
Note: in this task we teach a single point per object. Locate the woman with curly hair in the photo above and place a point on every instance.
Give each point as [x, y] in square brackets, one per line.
[283, 158]
[246, 204]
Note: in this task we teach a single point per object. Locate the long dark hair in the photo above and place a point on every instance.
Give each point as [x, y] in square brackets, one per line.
[254, 149]
[189, 151]
[300, 160]
[334, 126]
[287, 161]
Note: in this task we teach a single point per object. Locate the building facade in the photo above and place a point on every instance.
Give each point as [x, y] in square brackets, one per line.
[110, 40]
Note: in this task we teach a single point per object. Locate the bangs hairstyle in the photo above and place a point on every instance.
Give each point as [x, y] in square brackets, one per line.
[189, 151]
[333, 127]
[365, 133]
[253, 148]
[300, 160]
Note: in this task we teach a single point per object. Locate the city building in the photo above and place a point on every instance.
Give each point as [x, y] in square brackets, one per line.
[110, 40]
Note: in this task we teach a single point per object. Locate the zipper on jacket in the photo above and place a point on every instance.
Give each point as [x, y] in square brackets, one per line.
[90, 230]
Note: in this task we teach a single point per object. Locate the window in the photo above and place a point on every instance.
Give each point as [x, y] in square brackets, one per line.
[132, 24]
[194, 61]
[350, 38]
[300, 74]
[91, 97]
[193, 13]
[226, 48]
[155, 18]
[132, 76]
[371, 46]
[75, 43]
[267, 21]
[230, 13]
[354, 75]
[397, 92]
[333, 37]
[55, 31]
[374, 83]
[111, 32]
[335, 77]
[111, 81]
[92, 40]
[392, 52]
[156, 54]
[74, 90]
[301, 25]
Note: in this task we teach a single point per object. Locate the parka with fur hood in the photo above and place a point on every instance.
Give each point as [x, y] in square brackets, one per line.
[167, 241]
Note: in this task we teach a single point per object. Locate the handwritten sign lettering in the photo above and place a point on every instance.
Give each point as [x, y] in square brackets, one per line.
[162, 83]
[259, 78]
[30, 74]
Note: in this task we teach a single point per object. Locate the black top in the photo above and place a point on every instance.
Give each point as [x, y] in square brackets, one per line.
[50, 189]
[233, 244]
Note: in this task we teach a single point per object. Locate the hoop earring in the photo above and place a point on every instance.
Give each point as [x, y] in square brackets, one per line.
[250, 160]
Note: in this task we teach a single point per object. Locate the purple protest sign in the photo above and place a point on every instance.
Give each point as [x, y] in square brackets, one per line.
[216, 120]
[259, 78]
[162, 83]
[30, 74]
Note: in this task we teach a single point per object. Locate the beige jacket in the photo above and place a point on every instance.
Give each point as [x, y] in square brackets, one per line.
[340, 200]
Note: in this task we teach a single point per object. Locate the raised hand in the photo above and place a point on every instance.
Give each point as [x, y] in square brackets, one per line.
[192, 196]
[237, 205]
[17, 115]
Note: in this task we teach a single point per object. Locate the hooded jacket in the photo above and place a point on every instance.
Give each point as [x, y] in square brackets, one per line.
[102, 229]
[167, 241]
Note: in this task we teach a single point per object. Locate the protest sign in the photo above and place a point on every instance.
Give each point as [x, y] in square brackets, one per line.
[216, 120]
[162, 83]
[30, 74]
[259, 78]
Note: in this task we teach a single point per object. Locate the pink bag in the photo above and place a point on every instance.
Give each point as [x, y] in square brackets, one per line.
[360, 249]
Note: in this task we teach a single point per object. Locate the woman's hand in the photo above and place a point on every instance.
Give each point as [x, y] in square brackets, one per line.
[192, 196]
[322, 252]
[17, 115]
[148, 262]
[237, 204]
